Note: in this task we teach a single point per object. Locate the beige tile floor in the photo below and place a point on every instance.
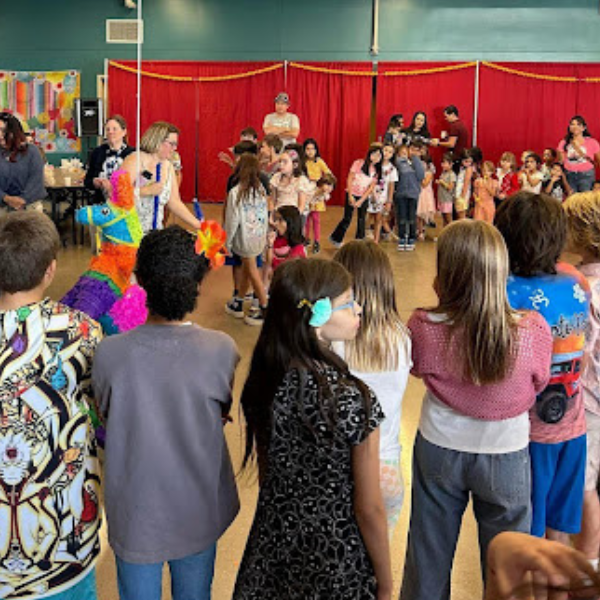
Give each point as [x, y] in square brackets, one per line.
[414, 276]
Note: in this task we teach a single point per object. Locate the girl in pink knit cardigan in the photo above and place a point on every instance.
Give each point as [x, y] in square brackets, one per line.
[482, 364]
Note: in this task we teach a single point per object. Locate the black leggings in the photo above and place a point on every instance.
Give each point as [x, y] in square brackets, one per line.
[340, 231]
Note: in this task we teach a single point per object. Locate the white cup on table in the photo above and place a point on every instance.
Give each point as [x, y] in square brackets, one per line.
[67, 181]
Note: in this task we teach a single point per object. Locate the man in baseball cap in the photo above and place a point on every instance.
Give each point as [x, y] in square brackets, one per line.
[282, 123]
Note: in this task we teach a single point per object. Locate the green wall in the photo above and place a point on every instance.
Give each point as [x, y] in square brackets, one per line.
[62, 34]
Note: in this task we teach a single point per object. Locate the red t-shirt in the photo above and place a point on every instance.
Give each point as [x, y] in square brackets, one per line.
[458, 130]
[282, 251]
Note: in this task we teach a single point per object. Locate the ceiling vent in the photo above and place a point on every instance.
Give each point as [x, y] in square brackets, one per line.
[124, 31]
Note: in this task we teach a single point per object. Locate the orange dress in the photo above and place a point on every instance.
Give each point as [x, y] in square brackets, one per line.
[485, 190]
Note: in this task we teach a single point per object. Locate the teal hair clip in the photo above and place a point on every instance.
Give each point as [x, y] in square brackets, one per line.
[321, 311]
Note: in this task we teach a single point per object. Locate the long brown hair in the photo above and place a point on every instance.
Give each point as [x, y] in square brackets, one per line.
[288, 341]
[381, 332]
[247, 174]
[472, 270]
[15, 140]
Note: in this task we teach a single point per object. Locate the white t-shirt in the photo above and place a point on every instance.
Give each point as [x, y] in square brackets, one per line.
[389, 388]
[447, 428]
[527, 187]
[288, 120]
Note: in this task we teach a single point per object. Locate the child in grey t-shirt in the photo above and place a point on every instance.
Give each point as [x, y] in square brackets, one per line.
[165, 392]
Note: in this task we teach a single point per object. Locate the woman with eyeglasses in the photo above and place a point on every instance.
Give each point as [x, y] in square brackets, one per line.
[156, 178]
[21, 168]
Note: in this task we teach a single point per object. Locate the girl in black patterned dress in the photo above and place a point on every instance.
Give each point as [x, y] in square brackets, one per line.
[313, 429]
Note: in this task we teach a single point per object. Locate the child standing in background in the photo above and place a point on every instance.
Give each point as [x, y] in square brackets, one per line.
[246, 222]
[410, 175]
[316, 167]
[426, 204]
[394, 134]
[558, 187]
[583, 219]
[464, 185]
[534, 227]
[531, 177]
[486, 188]
[286, 242]
[362, 179]
[289, 186]
[446, 184]
[549, 157]
[316, 206]
[507, 177]
[268, 154]
[379, 355]
[383, 194]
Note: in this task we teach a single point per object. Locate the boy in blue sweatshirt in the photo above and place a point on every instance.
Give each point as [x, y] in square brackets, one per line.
[406, 196]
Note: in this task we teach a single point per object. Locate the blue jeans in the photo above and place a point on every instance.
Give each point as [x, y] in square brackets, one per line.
[406, 217]
[191, 578]
[581, 181]
[443, 482]
[84, 590]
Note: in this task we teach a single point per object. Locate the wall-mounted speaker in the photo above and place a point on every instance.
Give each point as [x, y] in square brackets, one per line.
[89, 116]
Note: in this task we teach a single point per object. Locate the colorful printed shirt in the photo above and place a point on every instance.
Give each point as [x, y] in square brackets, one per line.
[380, 196]
[563, 300]
[49, 468]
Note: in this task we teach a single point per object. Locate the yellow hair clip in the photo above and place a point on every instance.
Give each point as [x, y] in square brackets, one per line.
[305, 302]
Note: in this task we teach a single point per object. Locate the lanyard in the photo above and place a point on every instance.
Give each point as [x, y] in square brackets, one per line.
[156, 201]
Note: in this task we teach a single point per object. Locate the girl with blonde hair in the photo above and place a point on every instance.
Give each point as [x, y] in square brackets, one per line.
[379, 355]
[155, 179]
[482, 365]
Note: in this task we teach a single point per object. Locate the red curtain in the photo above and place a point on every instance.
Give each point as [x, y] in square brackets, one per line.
[335, 110]
[515, 112]
[519, 113]
[429, 93]
[588, 98]
[213, 112]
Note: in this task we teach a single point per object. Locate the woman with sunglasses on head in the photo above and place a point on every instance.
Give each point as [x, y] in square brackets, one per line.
[21, 168]
[156, 178]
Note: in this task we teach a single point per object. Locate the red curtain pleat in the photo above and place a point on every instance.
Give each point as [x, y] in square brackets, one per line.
[429, 93]
[520, 113]
[217, 110]
[335, 110]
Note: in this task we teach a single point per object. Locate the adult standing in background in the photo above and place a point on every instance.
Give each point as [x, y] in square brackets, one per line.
[107, 158]
[457, 137]
[21, 168]
[282, 123]
[579, 153]
[417, 131]
[156, 178]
